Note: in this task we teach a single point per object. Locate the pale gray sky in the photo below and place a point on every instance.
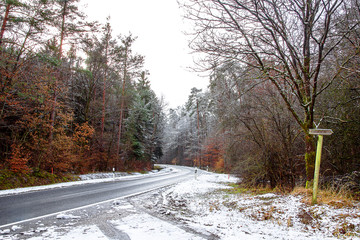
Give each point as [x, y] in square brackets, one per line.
[159, 26]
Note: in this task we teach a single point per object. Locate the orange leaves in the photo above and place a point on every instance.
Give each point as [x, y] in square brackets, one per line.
[18, 159]
[219, 165]
[212, 155]
[68, 152]
[82, 135]
[174, 161]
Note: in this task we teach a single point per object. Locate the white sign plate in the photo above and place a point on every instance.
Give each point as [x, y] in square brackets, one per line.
[320, 131]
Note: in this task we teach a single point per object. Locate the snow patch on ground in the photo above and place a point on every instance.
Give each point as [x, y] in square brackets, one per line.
[15, 228]
[201, 205]
[5, 231]
[202, 184]
[91, 232]
[102, 175]
[144, 226]
[67, 216]
[122, 205]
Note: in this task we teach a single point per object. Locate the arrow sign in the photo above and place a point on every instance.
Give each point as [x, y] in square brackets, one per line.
[320, 131]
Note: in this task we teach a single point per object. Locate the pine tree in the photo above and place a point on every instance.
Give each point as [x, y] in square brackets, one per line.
[129, 65]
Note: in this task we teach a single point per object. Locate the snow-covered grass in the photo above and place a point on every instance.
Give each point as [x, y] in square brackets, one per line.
[91, 232]
[144, 226]
[203, 206]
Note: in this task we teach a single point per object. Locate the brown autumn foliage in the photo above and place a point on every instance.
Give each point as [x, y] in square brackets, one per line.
[54, 104]
[213, 155]
[18, 159]
[26, 101]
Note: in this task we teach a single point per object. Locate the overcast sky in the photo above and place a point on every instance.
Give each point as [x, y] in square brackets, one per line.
[159, 26]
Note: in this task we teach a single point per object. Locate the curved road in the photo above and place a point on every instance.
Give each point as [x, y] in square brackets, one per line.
[26, 206]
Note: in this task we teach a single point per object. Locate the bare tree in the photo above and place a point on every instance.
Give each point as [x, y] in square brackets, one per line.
[287, 41]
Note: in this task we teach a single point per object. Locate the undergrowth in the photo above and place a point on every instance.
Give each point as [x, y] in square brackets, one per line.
[240, 189]
[329, 196]
[10, 180]
[308, 215]
[157, 167]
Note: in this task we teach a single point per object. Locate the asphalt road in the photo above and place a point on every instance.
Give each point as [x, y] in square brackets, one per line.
[25, 206]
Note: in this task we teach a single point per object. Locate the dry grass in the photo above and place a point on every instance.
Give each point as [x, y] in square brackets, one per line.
[245, 189]
[338, 199]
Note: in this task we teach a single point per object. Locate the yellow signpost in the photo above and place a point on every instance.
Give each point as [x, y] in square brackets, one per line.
[320, 133]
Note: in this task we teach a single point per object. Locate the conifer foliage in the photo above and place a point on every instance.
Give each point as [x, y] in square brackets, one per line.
[73, 98]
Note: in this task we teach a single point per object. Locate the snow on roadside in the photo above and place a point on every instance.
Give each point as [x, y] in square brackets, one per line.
[88, 179]
[67, 216]
[202, 184]
[143, 226]
[91, 232]
[91, 176]
[202, 206]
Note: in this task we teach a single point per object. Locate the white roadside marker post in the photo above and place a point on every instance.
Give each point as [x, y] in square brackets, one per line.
[320, 133]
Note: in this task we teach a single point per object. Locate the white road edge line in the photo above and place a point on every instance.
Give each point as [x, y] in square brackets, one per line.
[4, 193]
[82, 207]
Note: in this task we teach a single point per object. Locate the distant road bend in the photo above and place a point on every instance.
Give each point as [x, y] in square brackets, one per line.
[25, 206]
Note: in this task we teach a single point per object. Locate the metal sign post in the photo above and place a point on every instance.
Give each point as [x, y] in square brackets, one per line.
[320, 133]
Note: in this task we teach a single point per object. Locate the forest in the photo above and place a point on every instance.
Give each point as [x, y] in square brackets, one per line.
[277, 69]
[76, 99]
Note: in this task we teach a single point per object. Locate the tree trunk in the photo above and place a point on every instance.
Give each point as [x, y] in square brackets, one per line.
[6, 18]
[53, 111]
[120, 124]
[122, 105]
[62, 34]
[310, 152]
[104, 98]
[107, 40]
[198, 130]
